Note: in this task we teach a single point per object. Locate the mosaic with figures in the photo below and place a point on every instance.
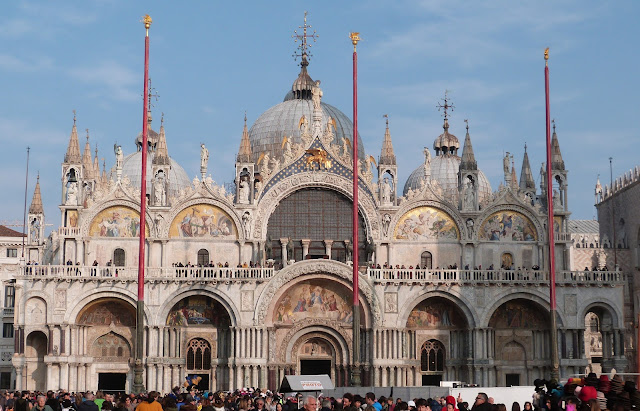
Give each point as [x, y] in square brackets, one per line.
[426, 223]
[435, 313]
[198, 310]
[116, 221]
[507, 225]
[303, 164]
[203, 221]
[108, 312]
[519, 314]
[315, 299]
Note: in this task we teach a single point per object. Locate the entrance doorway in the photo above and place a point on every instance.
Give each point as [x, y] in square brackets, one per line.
[112, 381]
[315, 367]
[431, 380]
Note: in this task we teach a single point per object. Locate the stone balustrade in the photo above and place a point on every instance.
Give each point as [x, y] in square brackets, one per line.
[390, 275]
[68, 231]
[470, 277]
[131, 273]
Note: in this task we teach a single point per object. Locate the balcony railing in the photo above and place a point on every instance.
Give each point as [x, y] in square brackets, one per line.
[68, 231]
[184, 273]
[391, 275]
[8, 311]
[439, 276]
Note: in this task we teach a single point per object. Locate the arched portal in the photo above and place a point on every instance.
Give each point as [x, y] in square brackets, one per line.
[519, 342]
[35, 351]
[318, 352]
[439, 323]
[320, 215]
[598, 338]
[207, 324]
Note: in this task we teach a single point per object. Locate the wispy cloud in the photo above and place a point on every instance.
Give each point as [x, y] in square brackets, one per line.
[13, 63]
[14, 130]
[109, 79]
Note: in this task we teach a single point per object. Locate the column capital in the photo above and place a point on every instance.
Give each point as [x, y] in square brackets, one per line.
[306, 241]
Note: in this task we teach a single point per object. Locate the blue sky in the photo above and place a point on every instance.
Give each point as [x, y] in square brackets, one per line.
[211, 61]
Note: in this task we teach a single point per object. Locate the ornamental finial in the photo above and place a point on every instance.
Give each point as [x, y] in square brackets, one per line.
[355, 38]
[146, 19]
[304, 48]
[546, 56]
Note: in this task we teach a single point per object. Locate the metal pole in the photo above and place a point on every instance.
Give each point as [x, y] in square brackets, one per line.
[138, 383]
[555, 362]
[355, 367]
[613, 218]
[24, 214]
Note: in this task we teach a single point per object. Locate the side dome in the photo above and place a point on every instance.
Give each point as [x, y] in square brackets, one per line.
[281, 120]
[444, 170]
[132, 168]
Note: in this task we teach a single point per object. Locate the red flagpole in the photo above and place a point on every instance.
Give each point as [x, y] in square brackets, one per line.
[355, 367]
[138, 384]
[550, 225]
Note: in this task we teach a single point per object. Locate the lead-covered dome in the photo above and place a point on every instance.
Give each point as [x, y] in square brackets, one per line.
[444, 168]
[283, 119]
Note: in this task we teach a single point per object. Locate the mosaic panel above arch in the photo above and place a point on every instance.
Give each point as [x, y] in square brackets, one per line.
[203, 221]
[321, 298]
[426, 223]
[520, 313]
[509, 226]
[116, 221]
[436, 312]
[108, 311]
[198, 310]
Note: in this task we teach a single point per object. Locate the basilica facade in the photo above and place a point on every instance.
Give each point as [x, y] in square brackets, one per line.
[245, 286]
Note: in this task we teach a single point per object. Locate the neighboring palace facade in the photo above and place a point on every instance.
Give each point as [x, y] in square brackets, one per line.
[245, 286]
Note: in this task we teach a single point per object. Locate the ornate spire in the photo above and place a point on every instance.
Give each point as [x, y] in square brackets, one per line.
[86, 159]
[302, 86]
[36, 202]
[556, 156]
[527, 182]
[468, 158]
[387, 156]
[104, 171]
[244, 154]
[73, 149]
[96, 164]
[514, 177]
[162, 152]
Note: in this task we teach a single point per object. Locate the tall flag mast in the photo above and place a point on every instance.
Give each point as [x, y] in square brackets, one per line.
[355, 367]
[138, 384]
[555, 372]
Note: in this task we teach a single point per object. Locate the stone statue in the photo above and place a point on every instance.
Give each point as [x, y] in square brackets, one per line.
[268, 248]
[290, 249]
[386, 220]
[258, 187]
[119, 156]
[35, 230]
[204, 157]
[345, 146]
[386, 191]
[348, 245]
[427, 156]
[243, 192]
[265, 165]
[370, 249]
[505, 163]
[316, 95]
[470, 227]
[469, 196]
[556, 199]
[287, 150]
[72, 194]
[246, 221]
[159, 194]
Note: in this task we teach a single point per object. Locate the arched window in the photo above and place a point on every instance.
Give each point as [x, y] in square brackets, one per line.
[203, 257]
[426, 261]
[199, 354]
[432, 356]
[118, 257]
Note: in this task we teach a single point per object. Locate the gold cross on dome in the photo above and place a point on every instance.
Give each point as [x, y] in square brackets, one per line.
[304, 46]
[447, 105]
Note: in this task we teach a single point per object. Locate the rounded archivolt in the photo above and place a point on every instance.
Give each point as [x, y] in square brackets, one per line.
[426, 223]
[198, 310]
[108, 311]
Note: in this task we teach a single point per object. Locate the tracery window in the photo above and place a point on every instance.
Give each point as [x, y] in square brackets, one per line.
[111, 346]
[432, 356]
[199, 354]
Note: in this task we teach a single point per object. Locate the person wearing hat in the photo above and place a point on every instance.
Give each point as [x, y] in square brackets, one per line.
[411, 404]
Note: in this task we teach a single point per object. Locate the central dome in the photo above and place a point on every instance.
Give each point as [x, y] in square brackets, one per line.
[282, 120]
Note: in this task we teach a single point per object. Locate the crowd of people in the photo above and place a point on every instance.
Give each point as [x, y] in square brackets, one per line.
[592, 393]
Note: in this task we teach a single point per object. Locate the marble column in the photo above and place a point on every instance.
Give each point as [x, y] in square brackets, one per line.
[327, 247]
[285, 257]
[305, 248]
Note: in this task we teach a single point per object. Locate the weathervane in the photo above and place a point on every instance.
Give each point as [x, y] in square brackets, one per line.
[446, 105]
[152, 93]
[466, 121]
[386, 116]
[304, 46]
